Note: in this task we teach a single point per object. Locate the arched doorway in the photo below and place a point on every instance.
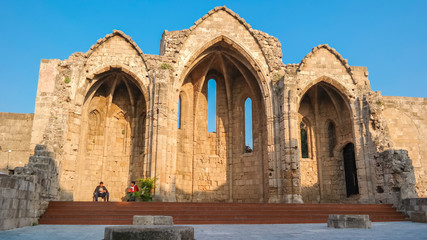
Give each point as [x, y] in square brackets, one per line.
[113, 135]
[351, 183]
[325, 125]
[215, 160]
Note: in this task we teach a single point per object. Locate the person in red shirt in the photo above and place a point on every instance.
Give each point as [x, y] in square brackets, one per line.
[130, 196]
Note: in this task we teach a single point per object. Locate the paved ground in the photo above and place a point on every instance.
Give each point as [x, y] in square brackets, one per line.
[386, 231]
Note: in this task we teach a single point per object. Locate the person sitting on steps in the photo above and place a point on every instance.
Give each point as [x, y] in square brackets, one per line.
[101, 191]
[130, 195]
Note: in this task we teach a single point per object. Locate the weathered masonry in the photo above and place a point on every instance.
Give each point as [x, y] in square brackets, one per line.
[319, 133]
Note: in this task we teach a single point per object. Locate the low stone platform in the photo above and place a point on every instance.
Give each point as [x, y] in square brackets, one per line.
[349, 221]
[152, 220]
[419, 216]
[158, 232]
[416, 208]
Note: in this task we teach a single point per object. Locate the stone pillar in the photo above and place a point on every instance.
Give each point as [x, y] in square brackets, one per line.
[364, 163]
[274, 133]
[290, 163]
[163, 164]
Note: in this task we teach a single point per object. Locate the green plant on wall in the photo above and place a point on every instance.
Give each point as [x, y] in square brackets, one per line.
[146, 185]
[276, 77]
[67, 80]
[165, 66]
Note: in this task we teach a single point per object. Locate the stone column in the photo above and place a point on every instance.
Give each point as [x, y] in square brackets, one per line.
[275, 133]
[163, 163]
[290, 162]
[364, 163]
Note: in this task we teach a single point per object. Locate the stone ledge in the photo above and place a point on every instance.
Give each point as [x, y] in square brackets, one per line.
[159, 232]
[152, 220]
[349, 221]
[419, 216]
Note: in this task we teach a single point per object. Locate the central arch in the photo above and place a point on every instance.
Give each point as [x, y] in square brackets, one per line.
[326, 131]
[216, 166]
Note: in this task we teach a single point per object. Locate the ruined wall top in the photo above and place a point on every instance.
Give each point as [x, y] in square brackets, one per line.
[181, 50]
[172, 41]
[178, 48]
[331, 50]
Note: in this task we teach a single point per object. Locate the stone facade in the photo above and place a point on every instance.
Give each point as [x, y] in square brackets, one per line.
[15, 136]
[319, 132]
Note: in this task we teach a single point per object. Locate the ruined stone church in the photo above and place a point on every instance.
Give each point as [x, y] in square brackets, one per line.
[320, 134]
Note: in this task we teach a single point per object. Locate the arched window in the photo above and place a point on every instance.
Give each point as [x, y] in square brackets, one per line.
[304, 140]
[179, 113]
[212, 105]
[248, 126]
[331, 138]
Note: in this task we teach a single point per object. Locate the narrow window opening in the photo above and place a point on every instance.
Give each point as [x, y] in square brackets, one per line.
[248, 126]
[331, 138]
[211, 105]
[304, 140]
[179, 113]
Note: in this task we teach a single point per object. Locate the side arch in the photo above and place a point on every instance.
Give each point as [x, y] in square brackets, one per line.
[324, 101]
[113, 135]
[342, 90]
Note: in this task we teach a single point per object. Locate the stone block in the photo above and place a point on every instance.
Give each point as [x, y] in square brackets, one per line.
[152, 220]
[8, 224]
[149, 232]
[349, 221]
[419, 216]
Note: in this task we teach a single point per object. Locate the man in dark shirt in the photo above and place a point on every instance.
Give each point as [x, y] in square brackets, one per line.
[101, 191]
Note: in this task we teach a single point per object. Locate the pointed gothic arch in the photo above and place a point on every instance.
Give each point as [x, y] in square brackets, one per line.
[330, 115]
[113, 133]
[222, 154]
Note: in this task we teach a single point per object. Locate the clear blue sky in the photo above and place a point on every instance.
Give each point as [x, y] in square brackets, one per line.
[389, 37]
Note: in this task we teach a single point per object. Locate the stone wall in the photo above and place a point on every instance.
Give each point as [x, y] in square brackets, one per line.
[15, 135]
[25, 195]
[395, 177]
[407, 125]
[17, 202]
[416, 208]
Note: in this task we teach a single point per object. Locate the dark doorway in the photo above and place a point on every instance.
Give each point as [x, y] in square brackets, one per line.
[350, 170]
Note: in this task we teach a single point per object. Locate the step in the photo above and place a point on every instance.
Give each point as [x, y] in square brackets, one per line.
[119, 213]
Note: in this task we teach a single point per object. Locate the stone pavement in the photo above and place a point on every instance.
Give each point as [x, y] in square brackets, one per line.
[386, 231]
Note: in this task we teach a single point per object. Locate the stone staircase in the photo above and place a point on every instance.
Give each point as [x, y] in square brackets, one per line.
[121, 213]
